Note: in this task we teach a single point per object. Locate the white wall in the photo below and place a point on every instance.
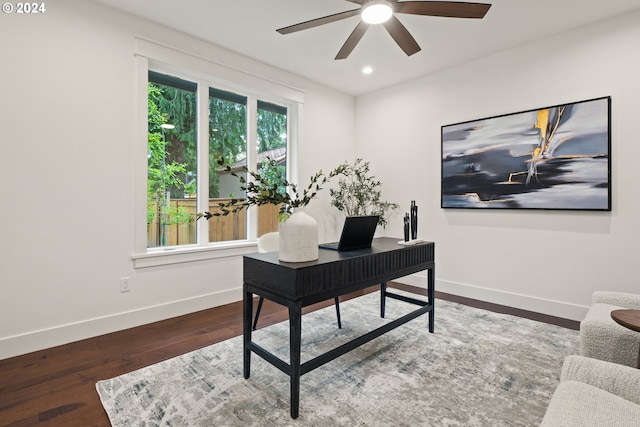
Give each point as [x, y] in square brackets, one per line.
[68, 125]
[549, 262]
[67, 116]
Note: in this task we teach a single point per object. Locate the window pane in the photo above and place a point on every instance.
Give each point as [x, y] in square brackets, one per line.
[227, 138]
[172, 160]
[272, 157]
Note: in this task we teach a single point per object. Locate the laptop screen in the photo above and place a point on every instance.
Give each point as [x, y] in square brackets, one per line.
[357, 233]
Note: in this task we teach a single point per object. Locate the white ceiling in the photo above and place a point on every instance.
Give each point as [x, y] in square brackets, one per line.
[249, 28]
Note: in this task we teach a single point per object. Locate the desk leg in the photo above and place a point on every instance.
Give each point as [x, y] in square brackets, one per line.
[295, 339]
[431, 292]
[383, 298]
[247, 312]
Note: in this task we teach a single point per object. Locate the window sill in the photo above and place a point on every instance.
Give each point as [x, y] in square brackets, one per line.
[178, 255]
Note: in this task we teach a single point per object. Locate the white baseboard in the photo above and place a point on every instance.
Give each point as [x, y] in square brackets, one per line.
[38, 340]
[525, 302]
[64, 334]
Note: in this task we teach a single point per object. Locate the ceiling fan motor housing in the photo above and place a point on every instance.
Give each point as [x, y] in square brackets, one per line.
[377, 11]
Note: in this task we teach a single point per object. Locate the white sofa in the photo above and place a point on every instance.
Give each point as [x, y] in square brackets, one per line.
[595, 393]
[602, 338]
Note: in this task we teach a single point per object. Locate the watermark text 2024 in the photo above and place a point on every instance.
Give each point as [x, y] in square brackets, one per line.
[24, 8]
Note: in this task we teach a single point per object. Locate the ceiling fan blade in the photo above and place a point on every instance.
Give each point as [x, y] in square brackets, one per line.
[402, 36]
[353, 40]
[356, 1]
[448, 9]
[318, 21]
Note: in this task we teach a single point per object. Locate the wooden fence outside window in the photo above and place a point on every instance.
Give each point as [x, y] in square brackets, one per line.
[222, 228]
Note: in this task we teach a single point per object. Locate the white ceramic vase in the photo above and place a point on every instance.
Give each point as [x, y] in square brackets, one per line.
[298, 238]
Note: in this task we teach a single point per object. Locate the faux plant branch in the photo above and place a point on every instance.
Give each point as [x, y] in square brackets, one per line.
[359, 193]
[261, 191]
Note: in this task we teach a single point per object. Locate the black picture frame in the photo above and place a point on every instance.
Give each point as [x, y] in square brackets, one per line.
[550, 158]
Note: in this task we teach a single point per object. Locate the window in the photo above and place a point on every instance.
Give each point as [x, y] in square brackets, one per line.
[175, 189]
[271, 157]
[172, 161]
[209, 104]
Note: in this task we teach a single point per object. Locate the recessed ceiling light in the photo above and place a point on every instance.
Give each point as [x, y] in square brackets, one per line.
[377, 11]
[367, 70]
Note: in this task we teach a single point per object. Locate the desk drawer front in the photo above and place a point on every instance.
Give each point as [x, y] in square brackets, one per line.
[363, 271]
[325, 277]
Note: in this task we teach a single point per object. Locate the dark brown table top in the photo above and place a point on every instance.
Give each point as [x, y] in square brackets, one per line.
[627, 318]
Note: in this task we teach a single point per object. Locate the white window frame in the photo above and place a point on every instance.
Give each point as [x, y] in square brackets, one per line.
[159, 57]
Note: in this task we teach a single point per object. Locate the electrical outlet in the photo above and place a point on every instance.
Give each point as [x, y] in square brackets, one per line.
[124, 284]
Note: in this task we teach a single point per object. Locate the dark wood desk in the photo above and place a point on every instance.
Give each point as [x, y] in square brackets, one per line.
[629, 319]
[296, 285]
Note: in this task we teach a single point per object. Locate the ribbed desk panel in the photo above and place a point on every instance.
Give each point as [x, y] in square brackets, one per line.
[334, 271]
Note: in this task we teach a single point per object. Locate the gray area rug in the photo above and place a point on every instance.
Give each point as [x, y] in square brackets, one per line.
[478, 369]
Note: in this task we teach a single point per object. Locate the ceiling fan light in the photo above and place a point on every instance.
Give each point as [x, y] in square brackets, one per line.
[377, 12]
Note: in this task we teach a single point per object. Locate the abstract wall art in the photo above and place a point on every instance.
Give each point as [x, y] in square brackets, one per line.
[547, 158]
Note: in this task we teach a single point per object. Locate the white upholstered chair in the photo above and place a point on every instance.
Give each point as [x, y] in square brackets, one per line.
[595, 393]
[268, 242]
[602, 338]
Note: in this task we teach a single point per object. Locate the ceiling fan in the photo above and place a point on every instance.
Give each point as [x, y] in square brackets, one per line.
[382, 12]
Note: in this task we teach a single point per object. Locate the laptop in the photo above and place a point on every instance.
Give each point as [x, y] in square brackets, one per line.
[357, 233]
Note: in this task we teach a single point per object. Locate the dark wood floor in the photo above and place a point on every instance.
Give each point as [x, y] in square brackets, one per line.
[56, 387]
